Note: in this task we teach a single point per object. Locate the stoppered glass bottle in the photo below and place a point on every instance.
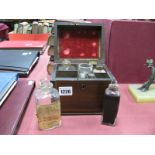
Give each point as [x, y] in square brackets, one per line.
[48, 108]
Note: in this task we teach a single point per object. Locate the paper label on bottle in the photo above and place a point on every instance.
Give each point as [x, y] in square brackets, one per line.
[65, 91]
[48, 115]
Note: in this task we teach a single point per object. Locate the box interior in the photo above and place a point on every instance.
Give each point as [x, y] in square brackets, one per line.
[79, 41]
[74, 72]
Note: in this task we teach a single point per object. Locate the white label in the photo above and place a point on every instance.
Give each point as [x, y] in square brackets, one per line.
[24, 53]
[99, 71]
[30, 83]
[65, 91]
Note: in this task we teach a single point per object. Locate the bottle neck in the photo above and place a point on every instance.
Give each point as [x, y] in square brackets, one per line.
[113, 90]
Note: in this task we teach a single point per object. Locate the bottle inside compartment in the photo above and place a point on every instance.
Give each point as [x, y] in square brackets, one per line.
[74, 71]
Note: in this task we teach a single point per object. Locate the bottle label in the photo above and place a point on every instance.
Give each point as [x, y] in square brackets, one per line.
[65, 91]
[49, 115]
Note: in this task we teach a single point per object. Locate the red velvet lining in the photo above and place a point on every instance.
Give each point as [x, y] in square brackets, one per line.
[79, 42]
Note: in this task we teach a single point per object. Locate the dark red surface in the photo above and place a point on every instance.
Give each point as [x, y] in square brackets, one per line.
[79, 42]
[131, 43]
[128, 44]
[14, 107]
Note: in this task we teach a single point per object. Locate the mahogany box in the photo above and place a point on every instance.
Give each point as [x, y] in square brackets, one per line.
[79, 71]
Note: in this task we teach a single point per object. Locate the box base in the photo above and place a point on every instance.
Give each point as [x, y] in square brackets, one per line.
[142, 97]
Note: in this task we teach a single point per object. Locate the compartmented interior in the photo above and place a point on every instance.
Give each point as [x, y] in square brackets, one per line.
[72, 71]
[79, 43]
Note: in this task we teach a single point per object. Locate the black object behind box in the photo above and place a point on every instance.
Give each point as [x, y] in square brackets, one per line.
[80, 43]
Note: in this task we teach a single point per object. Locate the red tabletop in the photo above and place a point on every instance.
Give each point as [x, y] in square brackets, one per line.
[132, 118]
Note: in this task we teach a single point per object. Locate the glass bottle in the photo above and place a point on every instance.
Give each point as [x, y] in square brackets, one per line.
[48, 109]
[111, 104]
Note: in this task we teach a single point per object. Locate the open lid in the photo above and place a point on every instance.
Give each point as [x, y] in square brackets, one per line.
[78, 42]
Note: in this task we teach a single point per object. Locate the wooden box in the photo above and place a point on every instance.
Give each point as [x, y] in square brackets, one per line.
[79, 71]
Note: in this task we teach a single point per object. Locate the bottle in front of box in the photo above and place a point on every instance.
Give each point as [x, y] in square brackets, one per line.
[48, 109]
